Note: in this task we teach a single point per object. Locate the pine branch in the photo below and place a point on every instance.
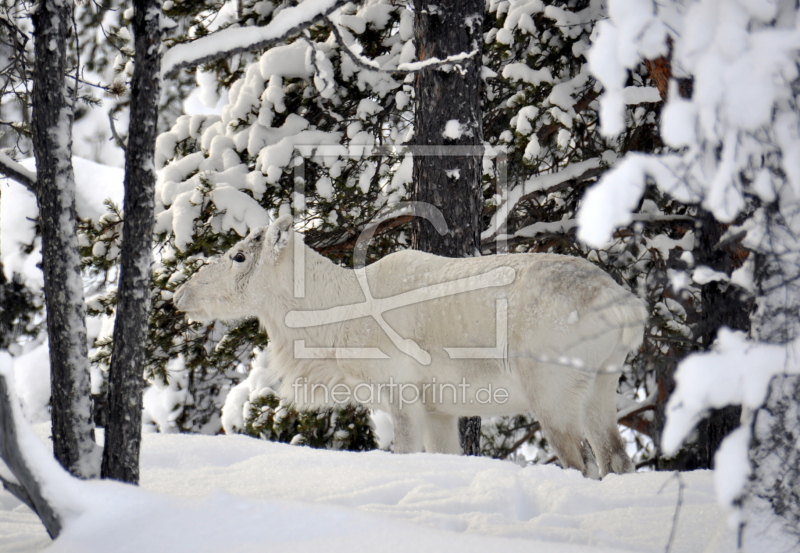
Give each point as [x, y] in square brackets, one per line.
[528, 435]
[238, 40]
[117, 138]
[16, 171]
[403, 68]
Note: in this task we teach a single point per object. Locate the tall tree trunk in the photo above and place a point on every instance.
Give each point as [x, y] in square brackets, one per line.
[124, 424]
[446, 177]
[73, 429]
[722, 305]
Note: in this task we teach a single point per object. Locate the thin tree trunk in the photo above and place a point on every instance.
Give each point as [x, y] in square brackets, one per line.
[451, 183]
[73, 429]
[124, 424]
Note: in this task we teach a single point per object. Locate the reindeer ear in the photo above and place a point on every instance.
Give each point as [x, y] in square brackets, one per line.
[277, 237]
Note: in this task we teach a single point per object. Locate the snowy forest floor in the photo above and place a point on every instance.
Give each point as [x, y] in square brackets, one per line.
[235, 493]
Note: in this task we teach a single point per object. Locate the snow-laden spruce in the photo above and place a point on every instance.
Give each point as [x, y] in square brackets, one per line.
[734, 136]
[429, 339]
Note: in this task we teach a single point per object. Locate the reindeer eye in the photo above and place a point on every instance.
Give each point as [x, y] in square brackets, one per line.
[239, 257]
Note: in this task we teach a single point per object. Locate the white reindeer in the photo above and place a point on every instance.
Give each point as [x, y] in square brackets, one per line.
[430, 339]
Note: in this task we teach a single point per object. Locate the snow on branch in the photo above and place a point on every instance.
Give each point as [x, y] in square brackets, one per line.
[730, 138]
[736, 371]
[236, 40]
[416, 66]
[566, 225]
[544, 184]
[403, 68]
[16, 171]
[610, 203]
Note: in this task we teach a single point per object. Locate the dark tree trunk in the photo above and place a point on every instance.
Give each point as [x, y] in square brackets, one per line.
[73, 430]
[722, 306]
[448, 171]
[124, 422]
[469, 430]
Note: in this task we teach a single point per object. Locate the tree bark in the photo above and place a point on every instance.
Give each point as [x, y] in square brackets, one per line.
[722, 305]
[447, 170]
[772, 493]
[124, 424]
[771, 498]
[73, 430]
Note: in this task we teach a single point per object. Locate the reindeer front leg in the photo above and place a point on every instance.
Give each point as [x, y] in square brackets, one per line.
[409, 422]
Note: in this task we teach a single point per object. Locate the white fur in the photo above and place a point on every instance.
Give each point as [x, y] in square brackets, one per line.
[570, 328]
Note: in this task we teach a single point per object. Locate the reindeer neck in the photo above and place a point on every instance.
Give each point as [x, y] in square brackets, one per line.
[316, 284]
[326, 282]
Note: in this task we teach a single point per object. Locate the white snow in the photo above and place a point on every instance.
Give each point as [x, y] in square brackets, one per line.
[259, 382]
[60, 490]
[703, 275]
[742, 57]
[419, 65]
[523, 72]
[453, 129]
[736, 371]
[241, 211]
[32, 382]
[18, 167]
[18, 212]
[733, 137]
[95, 183]
[242, 37]
[640, 94]
[224, 493]
[163, 401]
[234, 493]
[609, 204]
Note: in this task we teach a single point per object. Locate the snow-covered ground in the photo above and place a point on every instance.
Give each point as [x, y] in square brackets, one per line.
[235, 493]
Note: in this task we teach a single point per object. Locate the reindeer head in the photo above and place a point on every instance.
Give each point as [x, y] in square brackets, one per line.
[236, 284]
